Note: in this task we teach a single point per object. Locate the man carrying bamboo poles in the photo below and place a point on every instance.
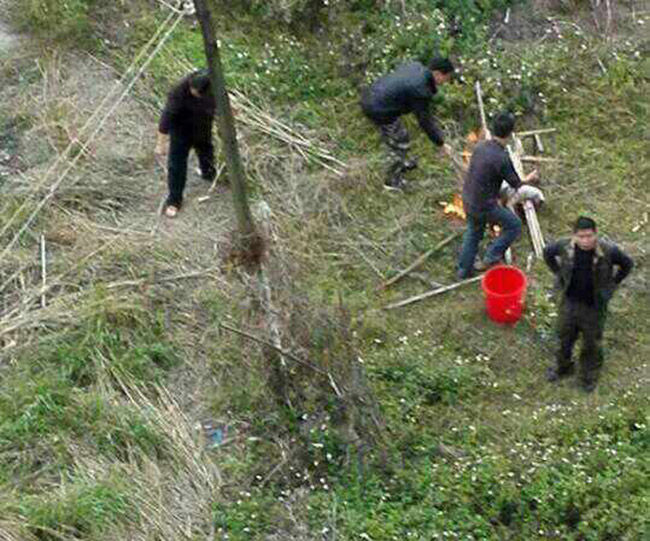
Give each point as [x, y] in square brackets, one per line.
[489, 166]
[584, 266]
[408, 89]
[186, 123]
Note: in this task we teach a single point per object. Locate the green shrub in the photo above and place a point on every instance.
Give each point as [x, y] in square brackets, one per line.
[67, 20]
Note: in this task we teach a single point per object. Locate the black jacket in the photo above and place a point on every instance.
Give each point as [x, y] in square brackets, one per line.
[489, 166]
[560, 258]
[186, 115]
[408, 89]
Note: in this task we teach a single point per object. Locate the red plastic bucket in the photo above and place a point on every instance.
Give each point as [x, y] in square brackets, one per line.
[505, 289]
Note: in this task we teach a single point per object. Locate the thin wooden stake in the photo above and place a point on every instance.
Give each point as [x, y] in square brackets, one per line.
[43, 270]
[418, 261]
[481, 110]
[535, 132]
[432, 293]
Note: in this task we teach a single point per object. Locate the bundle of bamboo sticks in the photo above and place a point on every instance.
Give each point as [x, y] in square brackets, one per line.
[529, 207]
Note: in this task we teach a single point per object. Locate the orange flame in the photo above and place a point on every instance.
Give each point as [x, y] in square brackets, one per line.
[455, 208]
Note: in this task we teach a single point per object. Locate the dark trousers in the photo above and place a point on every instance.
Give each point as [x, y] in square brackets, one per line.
[180, 145]
[510, 231]
[577, 318]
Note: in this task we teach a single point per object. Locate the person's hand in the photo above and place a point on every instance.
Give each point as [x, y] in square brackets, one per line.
[162, 145]
[533, 176]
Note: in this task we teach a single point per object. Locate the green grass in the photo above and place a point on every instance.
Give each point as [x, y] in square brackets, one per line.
[473, 444]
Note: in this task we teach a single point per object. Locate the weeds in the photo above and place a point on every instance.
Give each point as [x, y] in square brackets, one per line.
[444, 428]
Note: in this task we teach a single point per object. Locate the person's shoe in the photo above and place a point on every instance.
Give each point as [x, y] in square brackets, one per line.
[409, 165]
[395, 184]
[208, 176]
[482, 266]
[171, 211]
[589, 385]
[553, 374]
[464, 275]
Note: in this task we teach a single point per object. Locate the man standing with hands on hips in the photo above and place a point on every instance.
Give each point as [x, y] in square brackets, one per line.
[584, 266]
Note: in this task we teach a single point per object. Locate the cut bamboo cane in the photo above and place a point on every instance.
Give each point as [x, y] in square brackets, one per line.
[535, 132]
[433, 293]
[418, 261]
[481, 110]
[43, 270]
[529, 208]
[538, 159]
[533, 159]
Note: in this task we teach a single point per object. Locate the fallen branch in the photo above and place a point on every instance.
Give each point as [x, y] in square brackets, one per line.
[535, 132]
[432, 293]
[43, 270]
[418, 261]
[538, 159]
[285, 353]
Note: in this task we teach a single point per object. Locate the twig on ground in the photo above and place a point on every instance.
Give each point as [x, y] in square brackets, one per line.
[43, 270]
[418, 261]
[432, 293]
[285, 353]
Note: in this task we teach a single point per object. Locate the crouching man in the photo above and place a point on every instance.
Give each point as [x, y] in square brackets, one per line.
[585, 268]
[408, 89]
[489, 167]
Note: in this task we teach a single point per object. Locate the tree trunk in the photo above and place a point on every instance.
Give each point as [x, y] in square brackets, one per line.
[227, 132]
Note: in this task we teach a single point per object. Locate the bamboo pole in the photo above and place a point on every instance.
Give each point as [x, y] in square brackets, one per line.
[529, 208]
[418, 261]
[433, 293]
[43, 270]
[535, 132]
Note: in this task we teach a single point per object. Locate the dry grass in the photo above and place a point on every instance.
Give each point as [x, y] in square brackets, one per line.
[332, 239]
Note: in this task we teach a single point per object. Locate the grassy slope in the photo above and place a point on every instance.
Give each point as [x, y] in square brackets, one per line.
[528, 460]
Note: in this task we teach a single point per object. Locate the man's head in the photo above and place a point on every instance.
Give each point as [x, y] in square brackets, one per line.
[585, 233]
[442, 69]
[200, 83]
[503, 124]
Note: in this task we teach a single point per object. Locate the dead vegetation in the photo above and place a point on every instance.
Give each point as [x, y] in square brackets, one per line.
[115, 268]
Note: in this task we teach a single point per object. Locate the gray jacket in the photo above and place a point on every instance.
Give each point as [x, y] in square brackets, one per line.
[408, 89]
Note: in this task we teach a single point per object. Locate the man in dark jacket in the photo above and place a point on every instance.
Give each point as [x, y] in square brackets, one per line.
[186, 123]
[489, 166]
[408, 89]
[584, 266]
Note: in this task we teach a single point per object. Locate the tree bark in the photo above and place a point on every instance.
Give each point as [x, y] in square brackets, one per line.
[226, 126]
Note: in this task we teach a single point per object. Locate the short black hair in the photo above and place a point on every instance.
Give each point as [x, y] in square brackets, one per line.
[200, 81]
[583, 222]
[503, 124]
[442, 64]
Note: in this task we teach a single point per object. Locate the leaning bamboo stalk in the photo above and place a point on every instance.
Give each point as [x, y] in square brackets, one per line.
[432, 293]
[529, 208]
[481, 110]
[418, 261]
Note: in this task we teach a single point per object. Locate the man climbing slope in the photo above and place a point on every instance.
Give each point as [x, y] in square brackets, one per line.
[186, 123]
[408, 89]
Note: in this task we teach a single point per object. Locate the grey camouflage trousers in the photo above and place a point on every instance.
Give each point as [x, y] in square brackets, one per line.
[397, 142]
